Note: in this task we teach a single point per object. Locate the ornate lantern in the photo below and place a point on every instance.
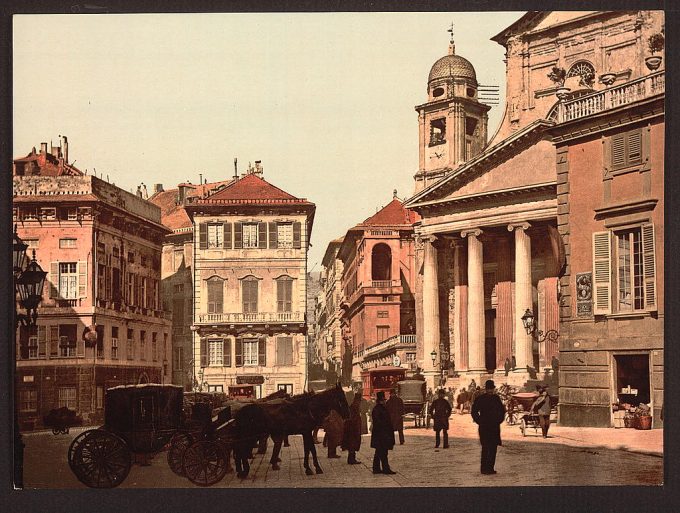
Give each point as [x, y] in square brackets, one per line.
[528, 321]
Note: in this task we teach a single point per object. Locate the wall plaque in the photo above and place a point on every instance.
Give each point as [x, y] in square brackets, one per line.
[584, 294]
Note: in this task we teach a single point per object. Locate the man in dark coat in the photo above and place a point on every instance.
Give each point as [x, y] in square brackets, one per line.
[441, 411]
[364, 409]
[488, 411]
[351, 441]
[382, 436]
[395, 406]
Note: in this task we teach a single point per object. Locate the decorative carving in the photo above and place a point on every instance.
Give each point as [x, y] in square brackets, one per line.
[522, 226]
[584, 294]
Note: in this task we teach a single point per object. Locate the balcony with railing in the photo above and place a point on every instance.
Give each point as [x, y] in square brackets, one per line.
[400, 341]
[593, 103]
[250, 318]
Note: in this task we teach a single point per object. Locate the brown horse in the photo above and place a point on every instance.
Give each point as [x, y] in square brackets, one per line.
[296, 415]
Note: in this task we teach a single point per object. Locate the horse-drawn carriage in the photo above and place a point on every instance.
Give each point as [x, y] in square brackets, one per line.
[60, 420]
[518, 411]
[380, 379]
[412, 392]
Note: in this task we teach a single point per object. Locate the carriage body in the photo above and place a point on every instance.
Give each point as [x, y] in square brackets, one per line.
[413, 393]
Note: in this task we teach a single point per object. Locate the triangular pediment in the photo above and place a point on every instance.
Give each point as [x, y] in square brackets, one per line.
[559, 17]
[524, 160]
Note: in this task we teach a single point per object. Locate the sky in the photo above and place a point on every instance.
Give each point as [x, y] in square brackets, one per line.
[324, 100]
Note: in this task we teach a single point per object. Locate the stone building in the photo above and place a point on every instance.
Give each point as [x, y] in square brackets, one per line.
[101, 248]
[377, 307]
[250, 274]
[565, 202]
[177, 271]
[329, 335]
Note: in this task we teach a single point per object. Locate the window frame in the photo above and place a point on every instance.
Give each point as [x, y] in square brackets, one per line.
[215, 352]
[215, 231]
[71, 285]
[284, 294]
[253, 283]
[253, 356]
[30, 404]
[253, 242]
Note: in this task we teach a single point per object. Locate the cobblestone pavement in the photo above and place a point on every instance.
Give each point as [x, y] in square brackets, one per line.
[571, 456]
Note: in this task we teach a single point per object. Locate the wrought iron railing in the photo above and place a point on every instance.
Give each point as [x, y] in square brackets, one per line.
[389, 343]
[240, 318]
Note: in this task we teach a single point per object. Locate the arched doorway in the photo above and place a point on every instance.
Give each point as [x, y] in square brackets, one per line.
[381, 263]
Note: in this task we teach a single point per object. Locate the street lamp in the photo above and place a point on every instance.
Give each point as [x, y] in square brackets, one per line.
[529, 323]
[28, 285]
[433, 355]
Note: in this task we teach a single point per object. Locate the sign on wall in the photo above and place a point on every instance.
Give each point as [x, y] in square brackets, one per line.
[584, 294]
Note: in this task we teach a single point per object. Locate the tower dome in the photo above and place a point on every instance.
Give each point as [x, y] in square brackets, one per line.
[452, 66]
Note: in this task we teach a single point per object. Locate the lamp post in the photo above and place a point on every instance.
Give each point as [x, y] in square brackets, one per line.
[529, 323]
[28, 285]
[433, 355]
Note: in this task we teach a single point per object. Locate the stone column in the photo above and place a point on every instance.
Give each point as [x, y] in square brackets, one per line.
[523, 295]
[476, 328]
[430, 308]
[457, 247]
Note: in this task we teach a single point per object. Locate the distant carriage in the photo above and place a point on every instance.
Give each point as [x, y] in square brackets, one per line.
[380, 379]
[413, 393]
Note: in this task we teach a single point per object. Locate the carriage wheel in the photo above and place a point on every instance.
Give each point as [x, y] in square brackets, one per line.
[178, 444]
[100, 459]
[77, 441]
[204, 463]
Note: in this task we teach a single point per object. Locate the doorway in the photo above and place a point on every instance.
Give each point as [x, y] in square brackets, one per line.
[632, 379]
[490, 340]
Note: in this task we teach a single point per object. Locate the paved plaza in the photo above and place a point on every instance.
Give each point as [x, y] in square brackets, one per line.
[571, 456]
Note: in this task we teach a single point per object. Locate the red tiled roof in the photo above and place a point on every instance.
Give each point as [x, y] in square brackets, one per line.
[175, 216]
[252, 189]
[391, 214]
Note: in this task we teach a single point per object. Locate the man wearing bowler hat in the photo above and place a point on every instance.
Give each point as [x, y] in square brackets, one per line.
[382, 435]
[488, 411]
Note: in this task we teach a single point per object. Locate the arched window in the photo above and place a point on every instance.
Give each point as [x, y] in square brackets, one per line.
[284, 294]
[584, 71]
[215, 294]
[249, 294]
[381, 262]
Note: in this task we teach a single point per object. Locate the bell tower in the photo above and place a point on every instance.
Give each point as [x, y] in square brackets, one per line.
[453, 123]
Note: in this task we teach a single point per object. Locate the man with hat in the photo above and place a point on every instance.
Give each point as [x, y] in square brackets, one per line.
[488, 411]
[395, 406]
[382, 435]
[541, 406]
[441, 411]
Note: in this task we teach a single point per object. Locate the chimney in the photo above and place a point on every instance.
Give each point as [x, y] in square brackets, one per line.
[258, 168]
[235, 168]
[65, 148]
[43, 148]
[157, 187]
[182, 193]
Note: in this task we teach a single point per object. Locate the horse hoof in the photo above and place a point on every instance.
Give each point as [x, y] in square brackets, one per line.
[275, 467]
[319, 471]
[309, 472]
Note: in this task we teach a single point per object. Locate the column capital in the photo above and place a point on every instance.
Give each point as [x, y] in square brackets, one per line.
[522, 226]
[431, 238]
[476, 232]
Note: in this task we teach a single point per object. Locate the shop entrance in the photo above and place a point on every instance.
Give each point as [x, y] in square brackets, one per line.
[632, 378]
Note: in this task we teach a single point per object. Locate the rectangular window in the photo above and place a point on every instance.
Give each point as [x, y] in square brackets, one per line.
[284, 351]
[154, 346]
[383, 314]
[286, 387]
[249, 295]
[33, 347]
[142, 345]
[178, 359]
[215, 295]
[32, 243]
[131, 257]
[28, 400]
[67, 398]
[382, 333]
[114, 348]
[100, 398]
[72, 214]
[29, 214]
[67, 340]
[626, 149]
[410, 357]
[250, 352]
[68, 280]
[284, 235]
[48, 213]
[216, 352]
[215, 235]
[250, 239]
[630, 280]
[179, 287]
[437, 131]
[284, 295]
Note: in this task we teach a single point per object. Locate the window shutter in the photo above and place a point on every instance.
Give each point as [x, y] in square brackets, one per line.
[204, 352]
[618, 150]
[289, 350]
[54, 280]
[602, 273]
[262, 235]
[80, 347]
[649, 265]
[82, 279]
[262, 352]
[23, 342]
[238, 235]
[634, 153]
[54, 341]
[227, 235]
[239, 353]
[42, 341]
[296, 235]
[203, 236]
[279, 353]
[273, 235]
[226, 353]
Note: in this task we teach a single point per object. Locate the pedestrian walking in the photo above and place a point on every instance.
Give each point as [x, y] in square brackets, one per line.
[507, 366]
[395, 406]
[542, 407]
[449, 396]
[488, 412]
[441, 411]
[333, 425]
[382, 436]
[364, 409]
[351, 440]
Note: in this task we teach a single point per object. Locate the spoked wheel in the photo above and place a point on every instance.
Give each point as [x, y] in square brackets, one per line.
[100, 459]
[205, 463]
[511, 418]
[178, 444]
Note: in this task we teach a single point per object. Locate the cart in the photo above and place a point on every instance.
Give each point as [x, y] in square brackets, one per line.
[139, 421]
[519, 411]
[61, 419]
[412, 392]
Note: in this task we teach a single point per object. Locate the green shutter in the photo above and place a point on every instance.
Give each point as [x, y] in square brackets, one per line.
[649, 265]
[634, 147]
[602, 273]
[238, 235]
[203, 236]
[82, 279]
[618, 150]
[227, 235]
[239, 352]
[297, 237]
[226, 352]
[262, 235]
[273, 235]
[54, 280]
[204, 353]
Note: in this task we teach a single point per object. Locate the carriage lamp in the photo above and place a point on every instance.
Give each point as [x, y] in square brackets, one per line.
[30, 286]
[529, 323]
